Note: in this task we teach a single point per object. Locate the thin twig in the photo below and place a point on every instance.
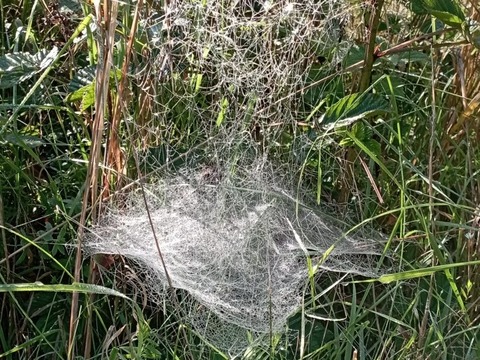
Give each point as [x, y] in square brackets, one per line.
[372, 180]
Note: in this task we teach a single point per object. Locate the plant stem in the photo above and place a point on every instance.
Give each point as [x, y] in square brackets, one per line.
[370, 50]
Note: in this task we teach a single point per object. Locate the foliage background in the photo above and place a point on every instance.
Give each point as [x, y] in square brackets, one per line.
[382, 127]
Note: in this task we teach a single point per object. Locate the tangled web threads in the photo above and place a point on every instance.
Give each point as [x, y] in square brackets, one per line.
[235, 248]
[251, 60]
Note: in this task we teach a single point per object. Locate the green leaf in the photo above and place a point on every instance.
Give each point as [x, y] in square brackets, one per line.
[346, 142]
[354, 107]
[48, 68]
[448, 18]
[85, 94]
[75, 287]
[417, 7]
[20, 66]
[77, 95]
[448, 11]
[83, 77]
[361, 131]
[82, 86]
[355, 54]
[363, 134]
[374, 146]
[88, 98]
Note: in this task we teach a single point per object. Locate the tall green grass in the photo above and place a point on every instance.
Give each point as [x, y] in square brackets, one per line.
[405, 168]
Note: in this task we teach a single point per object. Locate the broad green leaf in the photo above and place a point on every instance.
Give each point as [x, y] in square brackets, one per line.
[20, 66]
[417, 7]
[78, 95]
[83, 77]
[82, 86]
[354, 107]
[362, 133]
[86, 76]
[374, 146]
[48, 68]
[88, 98]
[75, 287]
[448, 18]
[355, 54]
[85, 94]
[359, 130]
[448, 11]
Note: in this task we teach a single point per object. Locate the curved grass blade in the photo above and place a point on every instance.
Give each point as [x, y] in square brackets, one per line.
[75, 287]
